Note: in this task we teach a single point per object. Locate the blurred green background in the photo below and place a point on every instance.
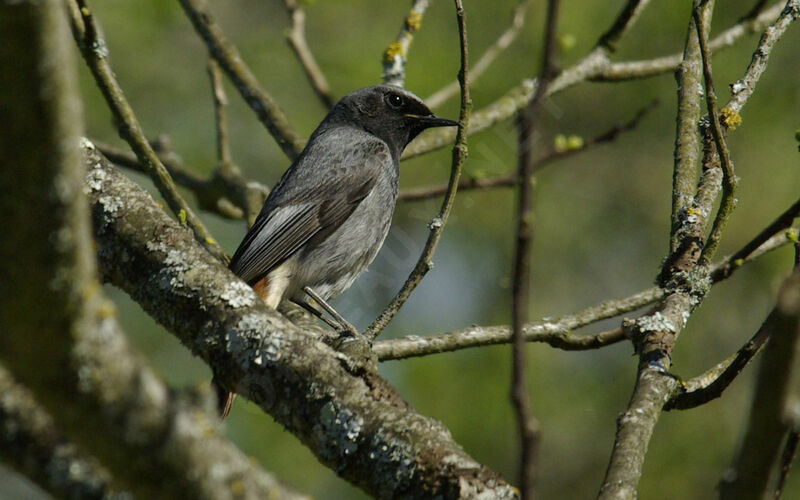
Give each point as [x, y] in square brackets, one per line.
[602, 221]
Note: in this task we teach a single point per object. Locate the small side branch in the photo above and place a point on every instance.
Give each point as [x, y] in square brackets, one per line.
[749, 475]
[264, 106]
[95, 53]
[502, 43]
[729, 181]
[424, 263]
[396, 54]
[510, 180]
[296, 37]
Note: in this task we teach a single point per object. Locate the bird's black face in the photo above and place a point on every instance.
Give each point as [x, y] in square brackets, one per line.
[395, 115]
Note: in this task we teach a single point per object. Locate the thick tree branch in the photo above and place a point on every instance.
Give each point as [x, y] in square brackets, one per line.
[60, 335]
[349, 417]
[32, 445]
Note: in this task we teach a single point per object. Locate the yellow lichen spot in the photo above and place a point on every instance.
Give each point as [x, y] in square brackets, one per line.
[574, 142]
[210, 240]
[393, 50]
[85, 11]
[791, 235]
[182, 216]
[106, 310]
[566, 41]
[738, 262]
[730, 118]
[237, 487]
[692, 211]
[413, 21]
[560, 142]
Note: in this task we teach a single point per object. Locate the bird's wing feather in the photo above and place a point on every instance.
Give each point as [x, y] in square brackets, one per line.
[290, 221]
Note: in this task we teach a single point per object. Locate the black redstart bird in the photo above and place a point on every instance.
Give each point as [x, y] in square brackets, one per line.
[327, 217]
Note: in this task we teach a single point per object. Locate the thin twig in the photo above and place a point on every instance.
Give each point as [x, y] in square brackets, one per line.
[220, 115]
[502, 43]
[729, 181]
[95, 53]
[527, 424]
[783, 221]
[396, 54]
[264, 106]
[787, 457]
[742, 89]
[761, 446]
[424, 263]
[556, 332]
[296, 38]
[596, 66]
[509, 180]
[712, 383]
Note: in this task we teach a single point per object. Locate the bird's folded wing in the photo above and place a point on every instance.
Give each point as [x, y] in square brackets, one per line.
[281, 231]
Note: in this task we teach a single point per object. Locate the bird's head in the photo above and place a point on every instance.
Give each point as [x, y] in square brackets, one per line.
[391, 113]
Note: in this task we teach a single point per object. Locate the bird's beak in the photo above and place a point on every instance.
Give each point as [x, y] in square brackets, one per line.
[432, 121]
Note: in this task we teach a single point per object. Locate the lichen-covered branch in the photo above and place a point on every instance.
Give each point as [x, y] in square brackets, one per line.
[743, 88]
[60, 335]
[654, 334]
[436, 226]
[396, 54]
[766, 426]
[264, 106]
[349, 417]
[95, 52]
[32, 445]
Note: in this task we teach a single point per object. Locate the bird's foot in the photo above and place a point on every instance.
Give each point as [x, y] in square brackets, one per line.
[338, 323]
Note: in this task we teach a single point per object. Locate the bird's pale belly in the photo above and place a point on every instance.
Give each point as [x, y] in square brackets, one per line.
[331, 267]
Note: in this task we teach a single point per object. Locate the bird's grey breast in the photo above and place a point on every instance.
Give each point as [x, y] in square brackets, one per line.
[330, 266]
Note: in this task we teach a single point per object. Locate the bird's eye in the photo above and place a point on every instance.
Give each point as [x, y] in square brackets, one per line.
[395, 101]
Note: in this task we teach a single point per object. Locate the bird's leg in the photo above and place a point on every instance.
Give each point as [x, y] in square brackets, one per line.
[317, 313]
[343, 323]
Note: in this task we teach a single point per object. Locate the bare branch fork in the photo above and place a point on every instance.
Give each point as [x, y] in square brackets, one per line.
[95, 53]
